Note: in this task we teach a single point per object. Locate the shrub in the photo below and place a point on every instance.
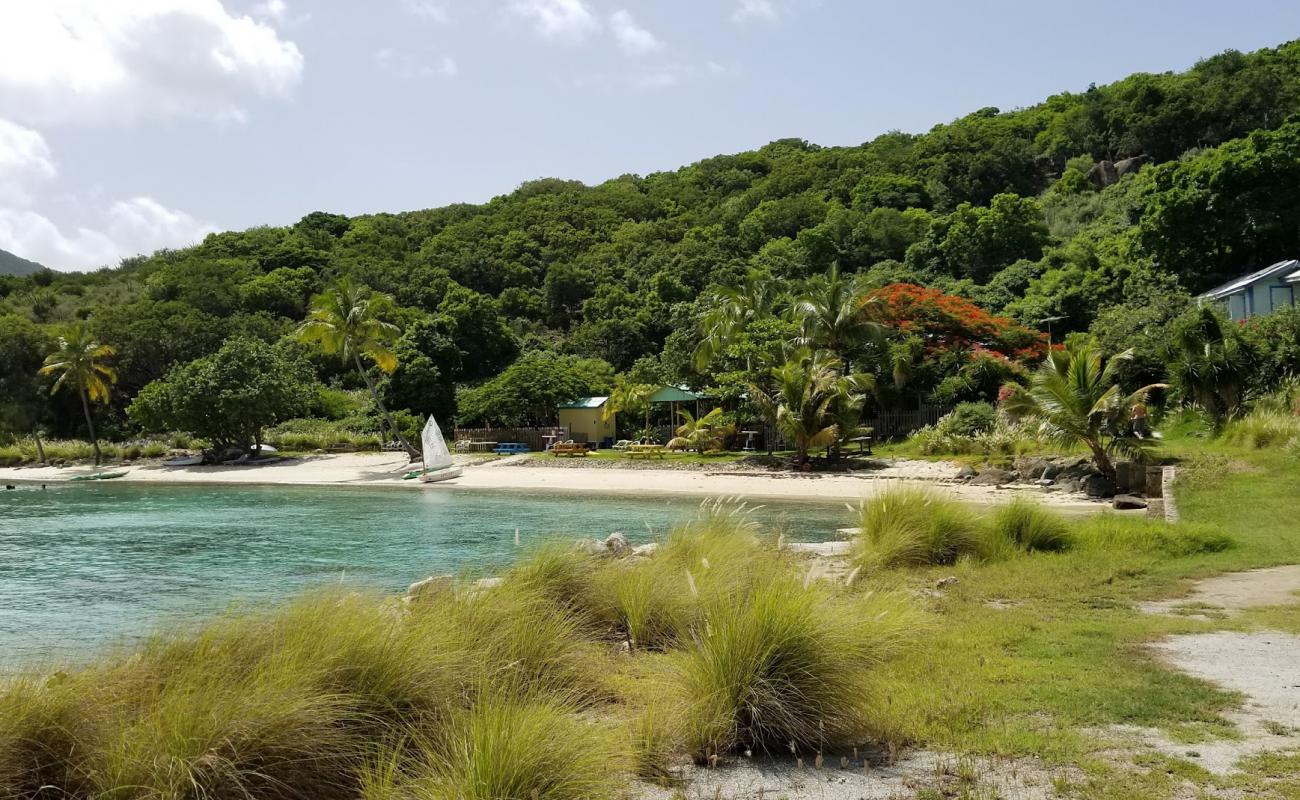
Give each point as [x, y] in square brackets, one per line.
[782, 665]
[319, 434]
[968, 419]
[1002, 438]
[907, 527]
[1031, 527]
[1264, 428]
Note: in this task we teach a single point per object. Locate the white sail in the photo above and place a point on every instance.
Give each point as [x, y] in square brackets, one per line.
[436, 454]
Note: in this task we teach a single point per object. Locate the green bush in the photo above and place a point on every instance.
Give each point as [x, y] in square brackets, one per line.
[1030, 526]
[320, 434]
[908, 527]
[1264, 428]
[968, 419]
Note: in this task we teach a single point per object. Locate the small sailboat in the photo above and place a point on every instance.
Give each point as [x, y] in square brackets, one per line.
[438, 464]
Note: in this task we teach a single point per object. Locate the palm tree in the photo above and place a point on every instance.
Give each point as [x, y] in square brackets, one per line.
[345, 321]
[78, 361]
[833, 316]
[1075, 398]
[734, 308]
[701, 435]
[1211, 367]
[812, 402]
[632, 398]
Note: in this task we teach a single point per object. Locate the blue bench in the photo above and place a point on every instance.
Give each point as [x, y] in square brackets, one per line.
[510, 449]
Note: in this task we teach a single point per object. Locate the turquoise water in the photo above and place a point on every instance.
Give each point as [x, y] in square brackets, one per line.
[85, 566]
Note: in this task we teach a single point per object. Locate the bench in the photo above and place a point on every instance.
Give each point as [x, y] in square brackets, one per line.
[511, 449]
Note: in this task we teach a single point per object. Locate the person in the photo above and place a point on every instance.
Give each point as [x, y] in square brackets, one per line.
[1138, 420]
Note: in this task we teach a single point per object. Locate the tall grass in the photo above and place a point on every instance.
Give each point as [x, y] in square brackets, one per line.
[909, 527]
[1264, 428]
[1029, 526]
[24, 451]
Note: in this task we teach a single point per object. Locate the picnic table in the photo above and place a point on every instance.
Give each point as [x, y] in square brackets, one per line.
[510, 448]
[863, 442]
[569, 449]
[646, 450]
[482, 447]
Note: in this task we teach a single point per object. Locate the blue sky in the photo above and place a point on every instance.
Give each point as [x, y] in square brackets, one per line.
[127, 125]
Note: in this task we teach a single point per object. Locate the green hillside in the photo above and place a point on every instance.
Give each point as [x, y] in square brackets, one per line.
[11, 264]
[1102, 209]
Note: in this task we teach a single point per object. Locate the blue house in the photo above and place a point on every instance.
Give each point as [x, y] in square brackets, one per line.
[1261, 292]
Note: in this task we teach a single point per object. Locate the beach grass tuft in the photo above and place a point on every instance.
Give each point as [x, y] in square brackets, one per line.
[911, 527]
[1031, 527]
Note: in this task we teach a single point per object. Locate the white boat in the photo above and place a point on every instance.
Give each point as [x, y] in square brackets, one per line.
[438, 464]
[184, 461]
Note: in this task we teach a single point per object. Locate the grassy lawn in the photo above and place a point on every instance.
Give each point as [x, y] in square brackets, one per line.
[1035, 656]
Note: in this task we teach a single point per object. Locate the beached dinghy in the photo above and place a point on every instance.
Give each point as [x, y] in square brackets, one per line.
[184, 461]
[99, 476]
[438, 464]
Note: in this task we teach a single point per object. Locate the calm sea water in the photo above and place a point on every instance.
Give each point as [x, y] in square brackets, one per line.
[86, 566]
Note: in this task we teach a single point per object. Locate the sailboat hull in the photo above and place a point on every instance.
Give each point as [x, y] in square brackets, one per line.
[440, 475]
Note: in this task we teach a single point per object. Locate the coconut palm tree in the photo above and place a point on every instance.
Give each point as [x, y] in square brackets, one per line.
[78, 361]
[735, 307]
[701, 435]
[631, 398]
[812, 400]
[345, 321]
[1075, 398]
[833, 316]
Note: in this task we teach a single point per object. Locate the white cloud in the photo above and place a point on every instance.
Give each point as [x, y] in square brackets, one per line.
[566, 21]
[25, 161]
[407, 66]
[112, 60]
[634, 39]
[272, 9]
[435, 10]
[137, 226]
[764, 10]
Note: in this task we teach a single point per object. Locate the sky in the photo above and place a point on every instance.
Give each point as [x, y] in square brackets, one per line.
[131, 125]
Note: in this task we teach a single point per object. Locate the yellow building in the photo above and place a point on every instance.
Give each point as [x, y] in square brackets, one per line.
[586, 417]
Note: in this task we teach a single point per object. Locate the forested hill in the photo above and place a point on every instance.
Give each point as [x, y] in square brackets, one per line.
[1023, 212]
[11, 264]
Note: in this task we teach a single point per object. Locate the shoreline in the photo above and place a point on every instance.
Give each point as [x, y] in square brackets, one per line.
[384, 471]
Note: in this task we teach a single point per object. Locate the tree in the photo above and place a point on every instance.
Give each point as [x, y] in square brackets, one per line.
[734, 310]
[22, 351]
[345, 321]
[706, 434]
[78, 361]
[833, 317]
[528, 391]
[230, 396]
[812, 401]
[1075, 398]
[1211, 365]
[632, 398]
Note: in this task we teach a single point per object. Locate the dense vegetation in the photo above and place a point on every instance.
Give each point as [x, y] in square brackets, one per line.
[912, 267]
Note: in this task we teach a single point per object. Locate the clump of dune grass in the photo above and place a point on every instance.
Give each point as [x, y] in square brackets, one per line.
[1030, 527]
[910, 527]
[1264, 428]
[651, 602]
[503, 746]
[783, 666]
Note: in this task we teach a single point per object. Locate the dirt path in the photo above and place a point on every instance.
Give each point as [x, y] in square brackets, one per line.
[1263, 666]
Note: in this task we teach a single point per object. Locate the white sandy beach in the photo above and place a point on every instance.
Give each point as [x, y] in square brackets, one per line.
[386, 470]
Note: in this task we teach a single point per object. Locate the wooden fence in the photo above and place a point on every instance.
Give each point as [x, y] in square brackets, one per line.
[888, 424]
[535, 438]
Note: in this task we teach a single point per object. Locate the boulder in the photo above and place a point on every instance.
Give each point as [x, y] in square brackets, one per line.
[1098, 486]
[434, 585]
[1130, 165]
[1037, 468]
[993, 476]
[617, 545]
[1127, 502]
[1102, 174]
[590, 547]
[645, 549]
[966, 472]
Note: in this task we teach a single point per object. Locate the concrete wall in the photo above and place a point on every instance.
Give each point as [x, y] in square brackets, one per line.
[588, 421]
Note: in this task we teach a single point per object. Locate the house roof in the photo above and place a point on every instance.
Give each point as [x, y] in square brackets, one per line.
[675, 394]
[1294, 277]
[1289, 268]
[585, 402]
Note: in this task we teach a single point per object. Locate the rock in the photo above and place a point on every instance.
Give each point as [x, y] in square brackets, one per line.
[645, 549]
[966, 472]
[1098, 486]
[488, 583]
[427, 588]
[944, 583]
[1127, 502]
[1078, 468]
[1130, 165]
[992, 476]
[590, 547]
[617, 545]
[1102, 174]
[1036, 468]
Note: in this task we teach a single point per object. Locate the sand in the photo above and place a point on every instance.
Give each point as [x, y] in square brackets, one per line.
[386, 470]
